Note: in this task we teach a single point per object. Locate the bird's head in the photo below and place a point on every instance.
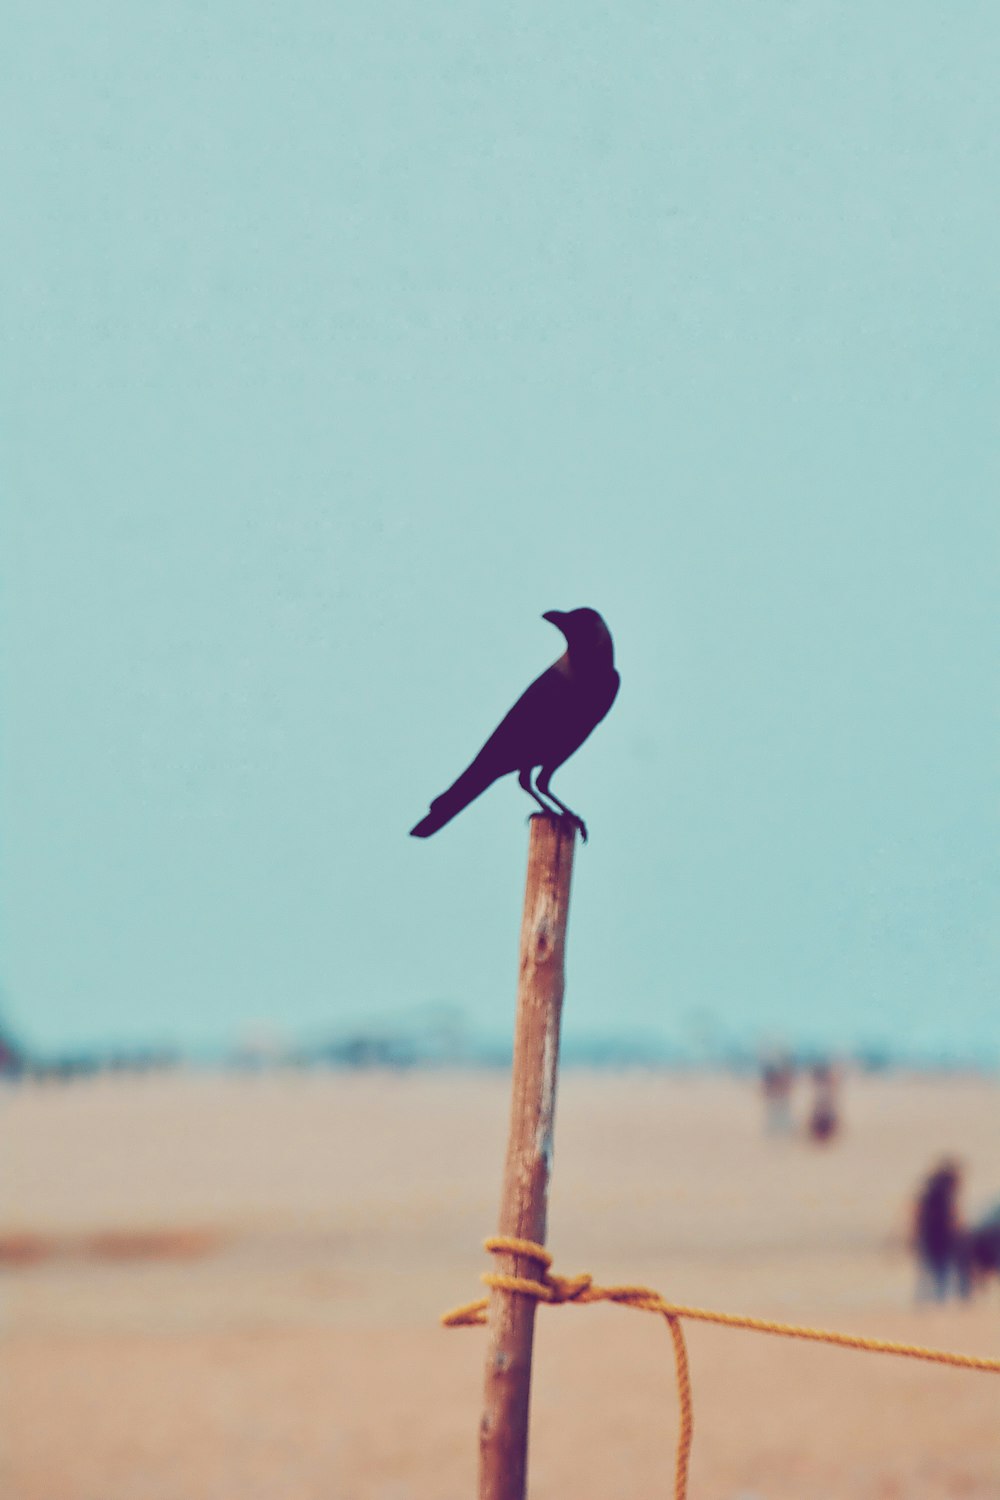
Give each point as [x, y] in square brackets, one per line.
[586, 633]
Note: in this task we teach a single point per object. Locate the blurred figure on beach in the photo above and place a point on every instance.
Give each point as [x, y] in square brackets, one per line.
[983, 1248]
[777, 1075]
[939, 1239]
[824, 1118]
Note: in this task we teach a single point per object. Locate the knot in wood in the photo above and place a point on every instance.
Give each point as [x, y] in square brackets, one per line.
[543, 939]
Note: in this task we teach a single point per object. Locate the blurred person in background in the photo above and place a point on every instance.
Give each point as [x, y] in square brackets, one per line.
[939, 1239]
[777, 1075]
[824, 1120]
[983, 1248]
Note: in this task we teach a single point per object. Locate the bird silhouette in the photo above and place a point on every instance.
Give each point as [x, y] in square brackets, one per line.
[550, 720]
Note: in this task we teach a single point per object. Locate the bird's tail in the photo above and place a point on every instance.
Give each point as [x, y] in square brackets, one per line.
[466, 789]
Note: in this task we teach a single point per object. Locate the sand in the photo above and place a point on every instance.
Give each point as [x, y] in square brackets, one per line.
[228, 1288]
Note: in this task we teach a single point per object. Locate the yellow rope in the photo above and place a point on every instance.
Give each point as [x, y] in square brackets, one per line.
[552, 1288]
[685, 1435]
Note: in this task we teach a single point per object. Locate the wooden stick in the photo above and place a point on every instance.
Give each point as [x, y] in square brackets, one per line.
[503, 1432]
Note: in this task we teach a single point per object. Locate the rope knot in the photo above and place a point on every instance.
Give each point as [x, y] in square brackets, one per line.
[568, 1288]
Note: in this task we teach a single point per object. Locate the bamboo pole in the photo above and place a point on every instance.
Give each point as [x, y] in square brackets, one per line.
[503, 1432]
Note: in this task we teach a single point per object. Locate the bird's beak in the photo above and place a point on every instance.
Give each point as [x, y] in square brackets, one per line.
[554, 617]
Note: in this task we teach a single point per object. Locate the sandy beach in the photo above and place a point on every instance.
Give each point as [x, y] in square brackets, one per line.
[219, 1287]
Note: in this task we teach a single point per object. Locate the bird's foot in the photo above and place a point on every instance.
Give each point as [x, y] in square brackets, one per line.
[577, 823]
[561, 817]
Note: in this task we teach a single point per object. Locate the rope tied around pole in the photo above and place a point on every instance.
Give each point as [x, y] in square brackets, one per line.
[557, 1289]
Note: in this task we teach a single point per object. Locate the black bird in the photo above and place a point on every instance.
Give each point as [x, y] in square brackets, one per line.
[547, 723]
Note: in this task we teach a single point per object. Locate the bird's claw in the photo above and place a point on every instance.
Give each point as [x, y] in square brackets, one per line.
[563, 818]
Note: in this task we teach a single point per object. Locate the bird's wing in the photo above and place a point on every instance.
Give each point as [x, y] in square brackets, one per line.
[536, 721]
[580, 709]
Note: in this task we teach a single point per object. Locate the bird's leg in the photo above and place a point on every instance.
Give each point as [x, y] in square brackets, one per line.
[567, 812]
[524, 781]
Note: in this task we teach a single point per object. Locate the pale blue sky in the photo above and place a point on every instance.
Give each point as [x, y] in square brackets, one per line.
[342, 341]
